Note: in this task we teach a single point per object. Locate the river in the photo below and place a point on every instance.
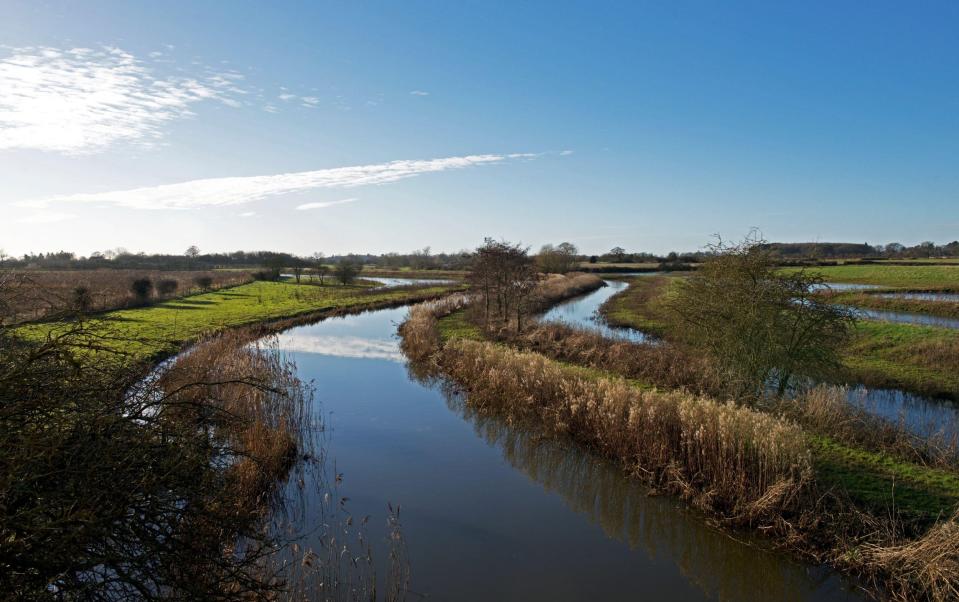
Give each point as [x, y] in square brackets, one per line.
[493, 512]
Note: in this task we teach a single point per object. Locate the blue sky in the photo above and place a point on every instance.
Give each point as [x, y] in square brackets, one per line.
[649, 126]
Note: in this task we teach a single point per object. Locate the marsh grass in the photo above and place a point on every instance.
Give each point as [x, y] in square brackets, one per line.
[729, 459]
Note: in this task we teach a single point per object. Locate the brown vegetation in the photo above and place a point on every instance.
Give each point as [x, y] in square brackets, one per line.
[731, 460]
[35, 295]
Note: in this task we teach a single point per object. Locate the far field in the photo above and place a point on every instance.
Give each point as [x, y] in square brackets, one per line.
[161, 329]
[921, 359]
[911, 277]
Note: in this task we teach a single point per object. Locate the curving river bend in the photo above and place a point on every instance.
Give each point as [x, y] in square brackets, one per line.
[492, 512]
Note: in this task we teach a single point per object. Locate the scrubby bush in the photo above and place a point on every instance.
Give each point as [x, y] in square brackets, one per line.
[81, 299]
[204, 282]
[142, 289]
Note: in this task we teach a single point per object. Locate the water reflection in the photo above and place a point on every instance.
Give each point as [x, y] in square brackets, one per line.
[722, 567]
[937, 297]
[506, 516]
[843, 286]
[922, 416]
[908, 318]
[391, 282]
[583, 312]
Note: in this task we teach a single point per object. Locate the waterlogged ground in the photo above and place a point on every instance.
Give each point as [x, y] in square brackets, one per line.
[493, 512]
[391, 282]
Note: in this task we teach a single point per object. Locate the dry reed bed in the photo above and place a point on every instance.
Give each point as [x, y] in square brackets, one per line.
[556, 288]
[253, 405]
[731, 460]
[823, 408]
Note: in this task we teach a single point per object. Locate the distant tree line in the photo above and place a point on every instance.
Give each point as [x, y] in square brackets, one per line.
[833, 250]
[559, 258]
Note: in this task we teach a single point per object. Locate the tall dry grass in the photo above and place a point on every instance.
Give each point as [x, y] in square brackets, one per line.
[658, 364]
[253, 406]
[558, 287]
[419, 334]
[736, 462]
[925, 568]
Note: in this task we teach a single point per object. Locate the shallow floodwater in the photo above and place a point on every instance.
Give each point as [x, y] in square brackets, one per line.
[844, 286]
[908, 318]
[937, 297]
[391, 282]
[583, 312]
[493, 512]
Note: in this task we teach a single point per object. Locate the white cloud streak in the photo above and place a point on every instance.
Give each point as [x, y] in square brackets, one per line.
[419, 93]
[212, 192]
[84, 100]
[323, 204]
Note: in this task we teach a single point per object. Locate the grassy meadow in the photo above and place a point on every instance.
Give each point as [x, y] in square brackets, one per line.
[162, 328]
[905, 277]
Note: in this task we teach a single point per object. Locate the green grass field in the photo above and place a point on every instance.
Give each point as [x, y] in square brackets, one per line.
[162, 328]
[880, 482]
[921, 359]
[918, 277]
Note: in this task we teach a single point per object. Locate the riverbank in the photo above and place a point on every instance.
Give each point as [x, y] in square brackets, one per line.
[839, 511]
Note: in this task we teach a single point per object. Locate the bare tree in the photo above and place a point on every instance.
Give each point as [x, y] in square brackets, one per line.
[192, 252]
[504, 275]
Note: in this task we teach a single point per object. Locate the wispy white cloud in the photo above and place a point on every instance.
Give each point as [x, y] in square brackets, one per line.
[84, 100]
[565, 153]
[419, 93]
[310, 101]
[286, 96]
[46, 217]
[322, 204]
[248, 214]
[246, 189]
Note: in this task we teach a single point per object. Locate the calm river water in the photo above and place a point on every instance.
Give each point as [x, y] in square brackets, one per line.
[493, 512]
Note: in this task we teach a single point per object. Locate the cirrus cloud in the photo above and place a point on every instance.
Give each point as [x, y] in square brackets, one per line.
[83, 100]
[211, 192]
[323, 204]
